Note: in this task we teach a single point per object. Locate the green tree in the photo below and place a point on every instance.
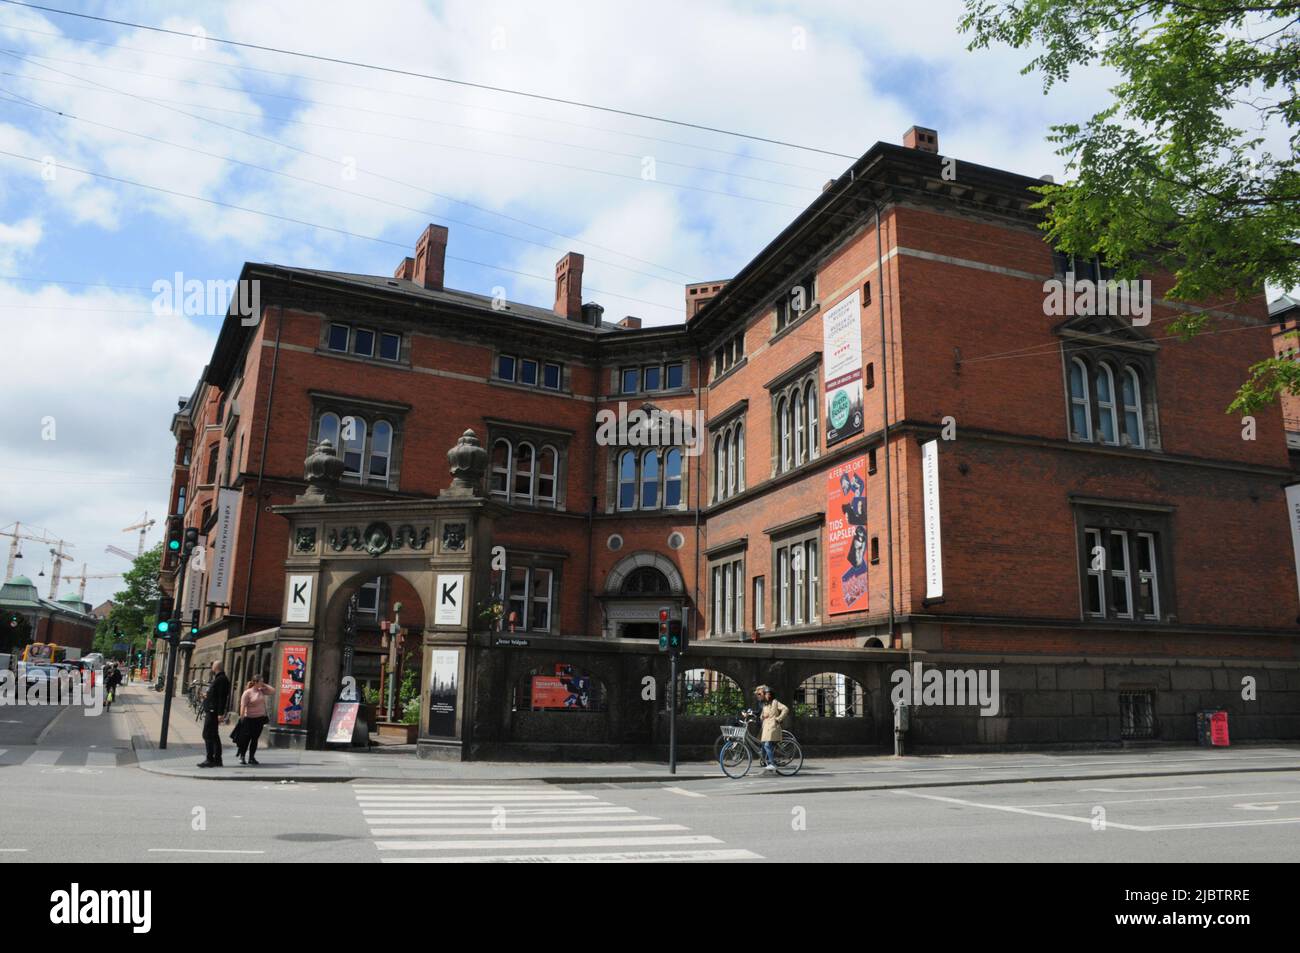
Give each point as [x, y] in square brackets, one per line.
[135, 607]
[1175, 170]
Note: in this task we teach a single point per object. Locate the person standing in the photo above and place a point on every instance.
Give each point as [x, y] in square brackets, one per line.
[214, 710]
[773, 717]
[252, 716]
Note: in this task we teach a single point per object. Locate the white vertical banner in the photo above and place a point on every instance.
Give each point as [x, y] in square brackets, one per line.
[223, 535]
[1293, 517]
[933, 540]
[194, 579]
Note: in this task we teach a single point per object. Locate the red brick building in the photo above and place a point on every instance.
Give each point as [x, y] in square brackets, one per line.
[987, 478]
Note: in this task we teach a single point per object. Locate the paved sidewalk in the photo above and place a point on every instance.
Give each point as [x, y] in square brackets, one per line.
[143, 707]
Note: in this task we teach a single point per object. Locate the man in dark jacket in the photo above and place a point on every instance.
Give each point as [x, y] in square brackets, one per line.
[215, 704]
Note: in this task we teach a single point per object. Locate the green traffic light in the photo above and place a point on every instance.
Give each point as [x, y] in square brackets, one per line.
[163, 625]
[174, 544]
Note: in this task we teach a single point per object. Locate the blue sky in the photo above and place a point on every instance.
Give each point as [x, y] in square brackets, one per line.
[378, 150]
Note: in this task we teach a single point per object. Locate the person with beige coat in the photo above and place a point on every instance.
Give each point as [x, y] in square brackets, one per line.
[772, 717]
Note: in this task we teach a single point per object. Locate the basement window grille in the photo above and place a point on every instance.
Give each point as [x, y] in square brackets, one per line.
[1137, 715]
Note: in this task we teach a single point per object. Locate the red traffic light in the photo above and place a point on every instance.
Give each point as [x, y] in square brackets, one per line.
[663, 615]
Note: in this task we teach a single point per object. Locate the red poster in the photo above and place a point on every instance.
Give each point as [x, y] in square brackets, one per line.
[561, 691]
[847, 559]
[293, 684]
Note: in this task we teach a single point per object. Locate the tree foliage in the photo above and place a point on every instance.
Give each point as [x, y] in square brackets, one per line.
[135, 607]
[1176, 169]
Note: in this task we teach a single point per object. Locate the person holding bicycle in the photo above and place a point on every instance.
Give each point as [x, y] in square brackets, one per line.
[772, 716]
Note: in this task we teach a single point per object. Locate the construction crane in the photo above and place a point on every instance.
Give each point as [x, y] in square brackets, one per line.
[119, 551]
[15, 533]
[143, 526]
[59, 556]
[81, 590]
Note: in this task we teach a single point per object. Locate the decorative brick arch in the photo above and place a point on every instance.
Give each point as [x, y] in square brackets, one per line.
[624, 567]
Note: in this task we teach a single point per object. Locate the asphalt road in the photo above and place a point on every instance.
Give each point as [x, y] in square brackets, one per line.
[78, 796]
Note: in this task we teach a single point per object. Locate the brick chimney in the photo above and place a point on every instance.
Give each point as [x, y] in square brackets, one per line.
[700, 294]
[405, 268]
[568, 286]
[630, 322]
[918, 137]
[430, 257]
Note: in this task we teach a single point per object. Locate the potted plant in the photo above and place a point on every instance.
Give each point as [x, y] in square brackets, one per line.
[407, 728]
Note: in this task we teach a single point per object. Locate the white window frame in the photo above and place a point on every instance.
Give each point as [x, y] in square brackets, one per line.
[1151, 576]
[1107, 408]
[1130, 374]
[1080, 400]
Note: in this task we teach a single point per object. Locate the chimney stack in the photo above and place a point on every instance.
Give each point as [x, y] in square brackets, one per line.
[405, 268]
[630, 322]
[430, 257]
[918, 137]
[568, 286]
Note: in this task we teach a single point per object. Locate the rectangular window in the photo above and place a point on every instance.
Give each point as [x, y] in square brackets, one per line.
[798, 570]
[758, 602]
[727, 597]
[1148, 589]
[363, 342]
[783, 586]
[1137, 715]
[631, 382]
[676, 376]
[1121, 574]
[551, 376]
[368, 598]
[338, 337]
[528, 371]
[871, 462]
[540, 618]
[651, 377]
[505, 367]
[390, 346]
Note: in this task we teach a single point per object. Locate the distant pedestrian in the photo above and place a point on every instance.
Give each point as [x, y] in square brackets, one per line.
[215, 704]
[773, 716]
[112, 679]
[252, 717]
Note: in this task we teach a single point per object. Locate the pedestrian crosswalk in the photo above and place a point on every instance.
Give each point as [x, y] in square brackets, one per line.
[33, 757]
[522, 823]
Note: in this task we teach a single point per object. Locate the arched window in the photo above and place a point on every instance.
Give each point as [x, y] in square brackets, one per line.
[719, 464]
[1107, 423]
[650, 480]
[796, 411]
[1080, 409]
[830, 695]
[728, 444]
[673, 478]
[501, 468]
[783, 433]
[524, 462]
[738, 452]
[354, 445]
[1131, 393]
[381, 450]
[546, 466]
[810, 403]
[627, 480]
[646, 581]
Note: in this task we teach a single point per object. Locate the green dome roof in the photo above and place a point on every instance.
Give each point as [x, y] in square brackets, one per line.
[20, 581]
[71, 599]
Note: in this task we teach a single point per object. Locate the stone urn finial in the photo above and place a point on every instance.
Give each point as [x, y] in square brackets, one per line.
[468, 464]
[324, 470]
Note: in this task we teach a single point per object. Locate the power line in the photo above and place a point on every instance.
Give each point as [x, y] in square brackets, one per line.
[328, 228]
[338, 61]
[244, 67]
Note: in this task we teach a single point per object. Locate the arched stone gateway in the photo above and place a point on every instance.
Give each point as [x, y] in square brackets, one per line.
[439, 547]
[636, 589]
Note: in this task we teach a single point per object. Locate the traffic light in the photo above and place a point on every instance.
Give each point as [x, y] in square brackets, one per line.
[676, 637]
[191, 539]
[194, 623]
[175, 540]
[165, 607]
[664, 613]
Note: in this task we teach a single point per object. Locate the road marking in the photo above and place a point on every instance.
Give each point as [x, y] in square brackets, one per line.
[454, 789]
[469, 798]
[1017, 810]
[625, 857]
[13, 850]
[42, 757]
[685, 792]
[551, 843]
[1197, 787]
[1154, 800]
[511, 819]
[506, 829]
[194, 850]
[1263, 805]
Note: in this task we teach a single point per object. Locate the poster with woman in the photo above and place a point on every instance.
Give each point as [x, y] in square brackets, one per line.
[847, 558]
[293, 679]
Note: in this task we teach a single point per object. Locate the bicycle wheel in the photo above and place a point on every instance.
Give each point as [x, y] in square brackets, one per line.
[735, 759]
[718, 746]
[787, 756]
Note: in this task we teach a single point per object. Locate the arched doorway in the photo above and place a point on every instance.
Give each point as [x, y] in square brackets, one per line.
[635, 590]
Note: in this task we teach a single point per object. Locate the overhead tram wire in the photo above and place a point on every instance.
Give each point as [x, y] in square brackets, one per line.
[316, 225]
[339, 61]
[33, 104]
[243, 67]
[406, 117]
[334, 160]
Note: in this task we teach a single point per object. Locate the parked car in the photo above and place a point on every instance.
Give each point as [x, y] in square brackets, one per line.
[38, 673]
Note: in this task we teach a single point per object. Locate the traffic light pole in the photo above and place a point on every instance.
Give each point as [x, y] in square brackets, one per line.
[173, 646]
[672, 715]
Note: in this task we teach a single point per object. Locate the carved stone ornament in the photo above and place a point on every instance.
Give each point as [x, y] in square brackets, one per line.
[408, 538]
[345, 538]
[323, 470]
[453, 537]
[305, 540]
[379, 538]
[469, 462]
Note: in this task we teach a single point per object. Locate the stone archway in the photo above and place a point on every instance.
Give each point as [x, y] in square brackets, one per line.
[635, 614]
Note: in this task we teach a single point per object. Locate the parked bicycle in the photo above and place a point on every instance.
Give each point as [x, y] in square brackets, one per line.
[737, 755]
[195, 693]
[721, 742]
